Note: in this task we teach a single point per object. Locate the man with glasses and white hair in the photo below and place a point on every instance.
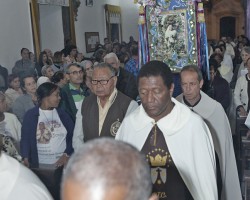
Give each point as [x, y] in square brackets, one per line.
[103, 111]
[72, 94]
[125, 80]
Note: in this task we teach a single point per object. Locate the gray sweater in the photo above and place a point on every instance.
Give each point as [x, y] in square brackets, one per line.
[23, 68]
[22, 105]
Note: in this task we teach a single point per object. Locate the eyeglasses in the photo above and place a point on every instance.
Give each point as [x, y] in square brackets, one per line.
[102, 82]
[76, 72]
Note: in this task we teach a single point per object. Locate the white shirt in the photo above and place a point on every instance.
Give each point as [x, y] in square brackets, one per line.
[51, 137]
[11, 127]
[103, 111]
[230, 50]
[78, 134]
[19, 183]
[227, 61]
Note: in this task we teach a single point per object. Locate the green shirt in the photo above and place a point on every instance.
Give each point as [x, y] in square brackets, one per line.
[77, 94]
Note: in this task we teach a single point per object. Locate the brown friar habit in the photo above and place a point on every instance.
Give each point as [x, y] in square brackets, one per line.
[115, 115]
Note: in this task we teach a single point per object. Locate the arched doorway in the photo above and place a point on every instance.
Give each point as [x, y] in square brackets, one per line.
[227, 27]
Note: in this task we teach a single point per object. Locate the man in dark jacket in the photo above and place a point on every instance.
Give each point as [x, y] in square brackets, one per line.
[125, 80]
[24, 66]
[217, 87]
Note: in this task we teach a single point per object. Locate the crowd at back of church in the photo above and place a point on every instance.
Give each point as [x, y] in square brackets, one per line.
[51, 107]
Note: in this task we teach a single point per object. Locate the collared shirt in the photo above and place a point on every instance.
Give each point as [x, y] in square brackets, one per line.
[77, 94]
[104, 110]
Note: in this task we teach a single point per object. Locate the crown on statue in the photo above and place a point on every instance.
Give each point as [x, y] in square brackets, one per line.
[158, 160]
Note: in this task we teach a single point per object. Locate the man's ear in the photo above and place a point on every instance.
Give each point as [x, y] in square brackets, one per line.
[201, 83]
[171, 89]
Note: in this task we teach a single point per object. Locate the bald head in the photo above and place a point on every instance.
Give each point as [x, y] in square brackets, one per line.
[106, 169]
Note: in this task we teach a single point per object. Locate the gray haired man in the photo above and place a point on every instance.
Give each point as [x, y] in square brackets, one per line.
[107, 169]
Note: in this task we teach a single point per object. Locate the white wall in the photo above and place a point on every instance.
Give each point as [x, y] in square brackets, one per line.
[16, 31]
[130, 15]
[91, 19]
[52, 27]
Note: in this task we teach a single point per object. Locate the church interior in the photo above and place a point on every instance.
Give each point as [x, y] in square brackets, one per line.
[93, 29]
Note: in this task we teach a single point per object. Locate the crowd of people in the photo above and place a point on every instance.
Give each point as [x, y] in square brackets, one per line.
[52, 106]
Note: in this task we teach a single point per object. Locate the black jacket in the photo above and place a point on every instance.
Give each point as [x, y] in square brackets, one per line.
[126, 83]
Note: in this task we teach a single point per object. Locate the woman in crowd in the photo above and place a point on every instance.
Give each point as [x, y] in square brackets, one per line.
[13, 91]
[240, 69]
[58, 61]
[245, 55]
[225, 71]
[47, 137]
[99, 55]
[47, 130]
[10, 128]
[227, 60]
[242, 92]
[59, 78]
[26, 101]
[88, 68]
[47, 71]
[79, 57]
[43, 60]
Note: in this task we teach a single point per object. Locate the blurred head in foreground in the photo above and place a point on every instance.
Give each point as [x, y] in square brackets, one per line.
[106, 169]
